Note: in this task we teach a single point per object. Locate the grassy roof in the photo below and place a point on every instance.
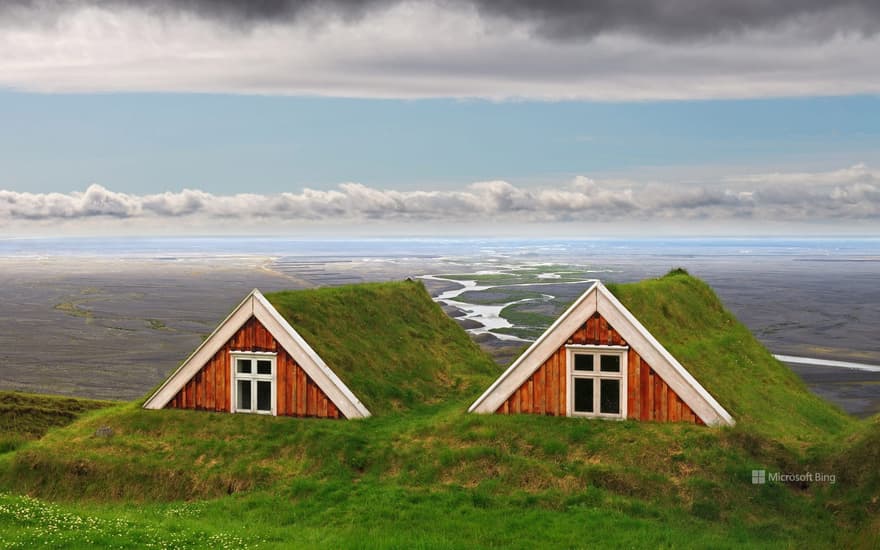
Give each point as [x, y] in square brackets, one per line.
[389, 342]
[686, 316]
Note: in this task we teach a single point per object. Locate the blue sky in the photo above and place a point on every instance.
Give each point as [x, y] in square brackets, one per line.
[141, 143]
[384, 116]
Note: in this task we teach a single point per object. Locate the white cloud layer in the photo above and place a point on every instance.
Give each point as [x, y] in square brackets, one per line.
[436, 49]
[846, 196]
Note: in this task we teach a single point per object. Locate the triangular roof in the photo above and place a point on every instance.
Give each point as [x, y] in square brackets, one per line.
[256, 305]
[599, 299]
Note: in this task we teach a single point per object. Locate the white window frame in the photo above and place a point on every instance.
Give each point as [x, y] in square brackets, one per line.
[597, 375]
[253, 377]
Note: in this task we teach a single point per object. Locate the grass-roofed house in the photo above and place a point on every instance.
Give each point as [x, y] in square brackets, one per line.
[597, 360]
[337, 352]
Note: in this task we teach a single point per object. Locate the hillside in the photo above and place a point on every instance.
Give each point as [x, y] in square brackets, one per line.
[686, 316]
[26, 417]
[389, 342]
[423, 473]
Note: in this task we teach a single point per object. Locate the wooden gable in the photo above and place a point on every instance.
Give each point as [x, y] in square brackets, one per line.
[304, 384]
[648, 396]
[657, 386]
[296, 393]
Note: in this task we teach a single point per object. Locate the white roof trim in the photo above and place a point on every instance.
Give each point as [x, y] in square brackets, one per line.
[310, 361]
[598, 298]
[256, 305]
[534, 356]
[224, 331]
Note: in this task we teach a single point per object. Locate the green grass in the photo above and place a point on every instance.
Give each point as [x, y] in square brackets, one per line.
[26, 417]
[372, 516]
[436, 477]
[431, 476]
[520, 317]
[857, 490]
[390, 476]
[157, 324]
[72, 308]
[686, 316]
[524, 275]
[498, 296]
[389, 342]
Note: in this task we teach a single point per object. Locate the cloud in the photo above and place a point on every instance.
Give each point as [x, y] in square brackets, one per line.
[684, 19]
[847, 195]
[599, 50]
[585, 19]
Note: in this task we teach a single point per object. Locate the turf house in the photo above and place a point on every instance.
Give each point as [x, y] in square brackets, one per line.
[337, 352]
[598, 361]
[256, 362]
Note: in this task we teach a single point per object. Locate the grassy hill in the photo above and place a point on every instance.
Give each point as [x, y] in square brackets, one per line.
[686, 316]
[423, 473]
[27, 417]
[389, 342]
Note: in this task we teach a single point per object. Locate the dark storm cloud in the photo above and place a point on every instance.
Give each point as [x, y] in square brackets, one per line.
[684, 19]
[559, 20]
[235, 11]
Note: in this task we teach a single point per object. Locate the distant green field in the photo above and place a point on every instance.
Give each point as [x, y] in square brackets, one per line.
[526, 275]
[433, 476]
[498, 297]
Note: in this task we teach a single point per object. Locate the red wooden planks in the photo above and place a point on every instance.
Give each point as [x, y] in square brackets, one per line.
[281, 386]
[553, 386]
[539, 391]
[301, 392]
[563, 383]
[672, 400]
[312, 399]
[663, 401]
[528, 392]
[633, 406]
[226, 378]
[294, 388]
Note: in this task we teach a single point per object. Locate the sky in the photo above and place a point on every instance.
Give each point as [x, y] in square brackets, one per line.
[423, 118]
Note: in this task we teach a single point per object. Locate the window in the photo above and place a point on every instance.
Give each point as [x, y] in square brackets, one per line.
[597, 377]
[253, 388]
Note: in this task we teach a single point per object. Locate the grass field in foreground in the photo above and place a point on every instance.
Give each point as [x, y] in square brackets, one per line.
[432, 479]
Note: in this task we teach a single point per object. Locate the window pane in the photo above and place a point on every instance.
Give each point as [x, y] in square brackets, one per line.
[264, 395]
[610, 363]
[609, 396]
[243, 365]
[264, 366]
[583, 361]
[583, 394]
[243, 393]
